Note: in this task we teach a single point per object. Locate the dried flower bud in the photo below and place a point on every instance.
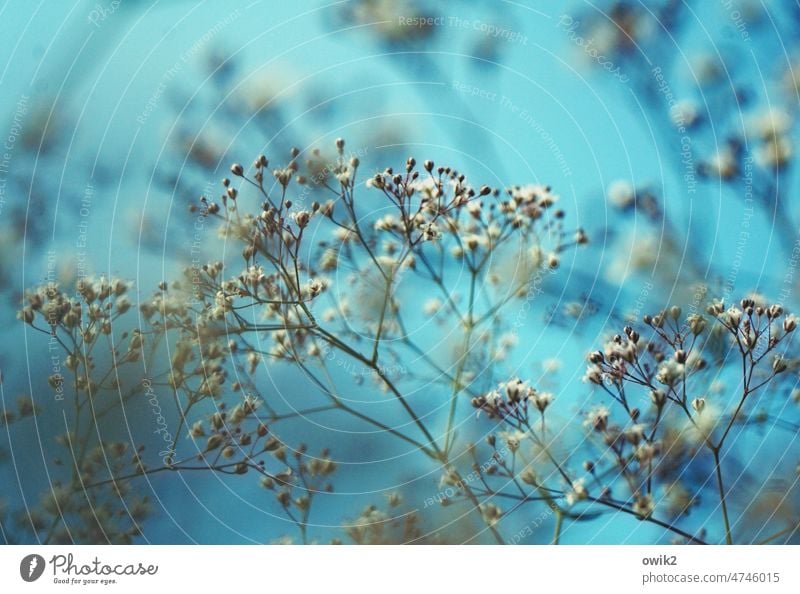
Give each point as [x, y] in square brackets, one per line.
[542, 400]
[644, 505]
[775, 311]
[514, 389]
[658, 397]
[734, 315]
[214, 442]
[696, 323]
[237, 170]
[302, 218]
[26, 315]
[699, 404]
[599, 420]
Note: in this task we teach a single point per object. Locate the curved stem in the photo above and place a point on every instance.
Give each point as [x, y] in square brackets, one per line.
[671, 527]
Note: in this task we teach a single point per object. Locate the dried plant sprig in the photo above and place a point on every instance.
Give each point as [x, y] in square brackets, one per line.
[430, 217]
[676, 368]
[214, 321]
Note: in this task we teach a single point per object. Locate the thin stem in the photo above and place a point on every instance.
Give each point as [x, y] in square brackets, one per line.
[557, 529]
[721, 487]
[651, 519]
[457, 387]
[386, 296]
[790, 530]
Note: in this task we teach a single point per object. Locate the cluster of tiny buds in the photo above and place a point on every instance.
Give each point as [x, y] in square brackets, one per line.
[621, 359]
[618, 348]
[751, 325]
[404, 185]
[622, 354]
[657, 321]
[99, 299]
[749, 308]
[282, 174]
[511, 398]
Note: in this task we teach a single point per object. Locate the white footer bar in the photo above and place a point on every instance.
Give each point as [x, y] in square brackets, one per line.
[400, 570]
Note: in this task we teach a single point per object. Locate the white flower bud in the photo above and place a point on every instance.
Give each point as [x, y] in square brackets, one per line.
[734, 315]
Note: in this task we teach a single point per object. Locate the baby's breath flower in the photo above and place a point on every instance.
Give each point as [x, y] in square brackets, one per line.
[197, 429]
[597, 418]
[551, 364]
[541, 400]
[697, 323]
[733, 316]
[491, 513]
[669, 372]
[621, 194]
[771, 123]
[779, 364]
[775, 152]
[723, 164]
[684, 113]
[513, 439]
[301, 218]
[577, 492]
[644, 505]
